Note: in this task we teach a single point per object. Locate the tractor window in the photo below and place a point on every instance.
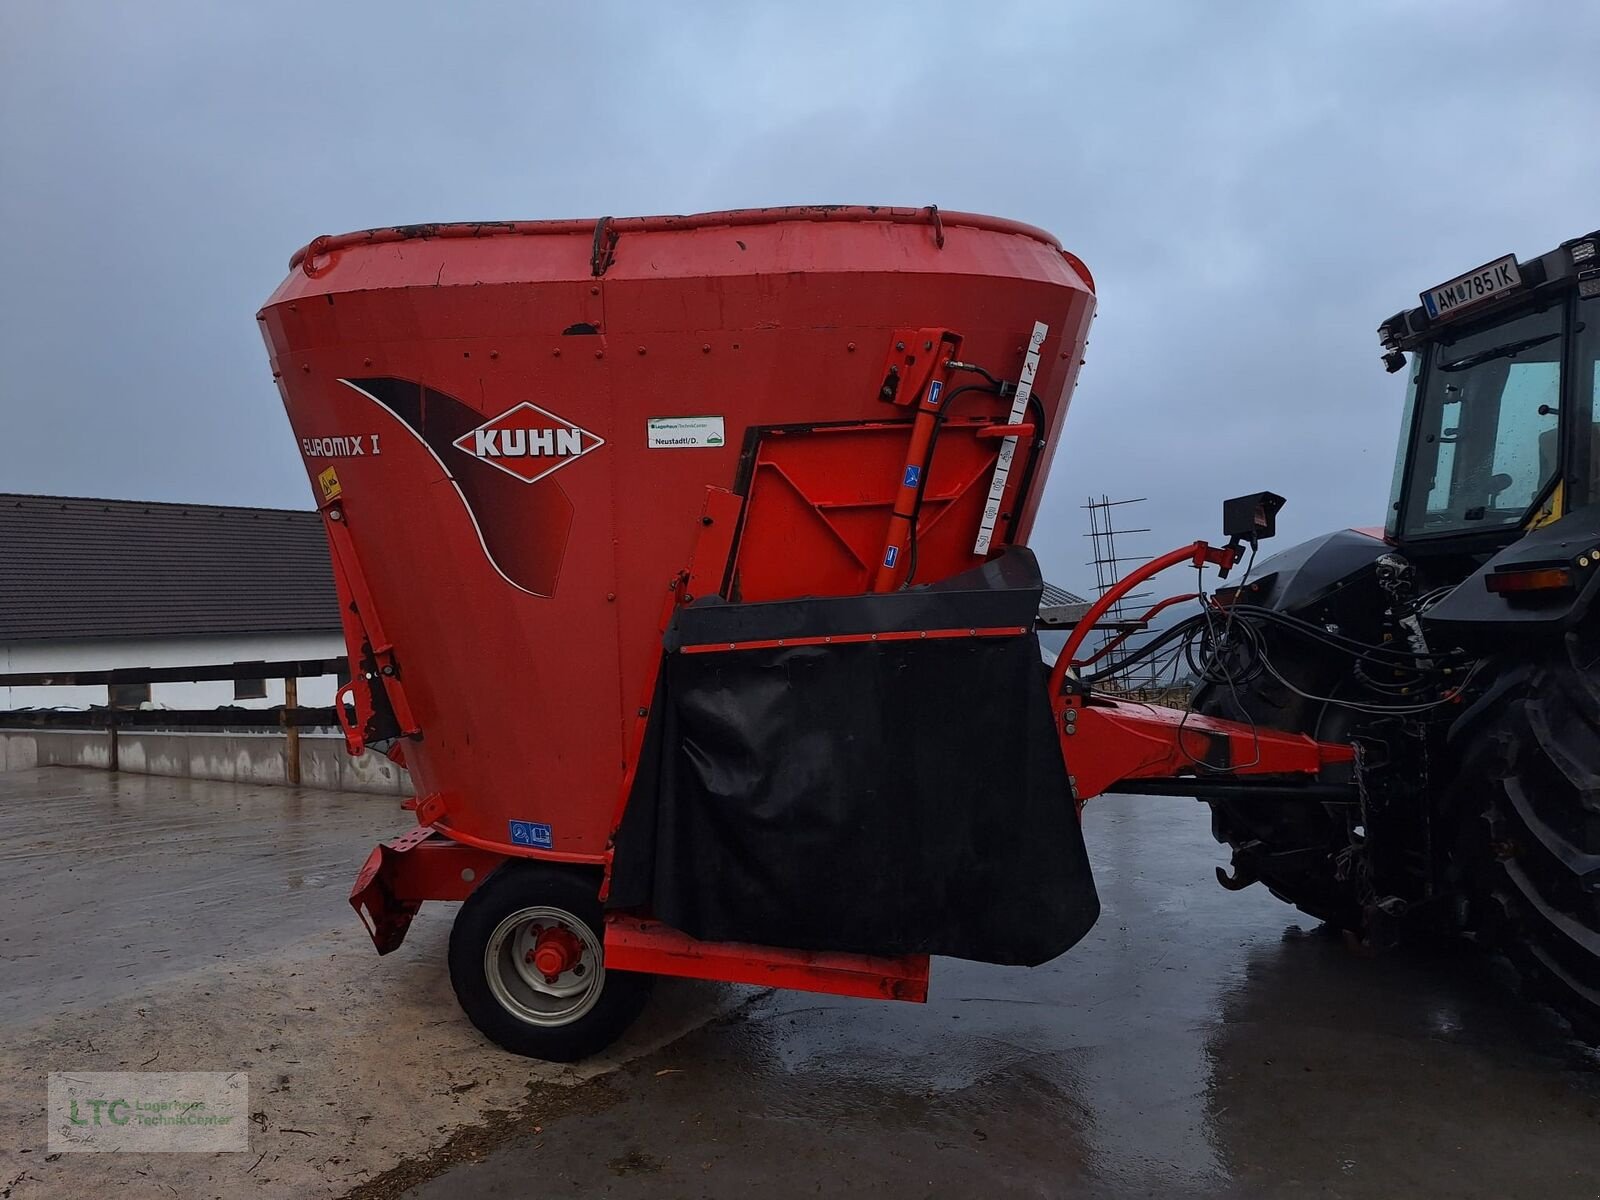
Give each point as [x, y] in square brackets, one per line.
[1397, 484]
[1586, 467]
[1528, 404]
[1486, 440]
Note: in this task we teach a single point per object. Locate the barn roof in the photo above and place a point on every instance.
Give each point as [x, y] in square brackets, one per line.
[81, 568]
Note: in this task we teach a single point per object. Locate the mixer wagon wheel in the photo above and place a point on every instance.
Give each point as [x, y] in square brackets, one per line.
[1528, 787]
[527, 962]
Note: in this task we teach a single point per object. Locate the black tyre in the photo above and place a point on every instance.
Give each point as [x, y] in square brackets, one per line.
[1529, 785]
[527, 963]
[1298, 849]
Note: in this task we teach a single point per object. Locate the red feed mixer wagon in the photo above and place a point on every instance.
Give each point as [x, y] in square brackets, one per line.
[683, 561]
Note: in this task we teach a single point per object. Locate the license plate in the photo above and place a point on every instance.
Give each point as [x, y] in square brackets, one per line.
[1473, 288]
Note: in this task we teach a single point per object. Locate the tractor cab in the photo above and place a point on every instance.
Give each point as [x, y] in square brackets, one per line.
[1502, 425]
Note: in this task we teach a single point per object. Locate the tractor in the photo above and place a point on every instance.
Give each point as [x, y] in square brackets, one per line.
[1457, 649]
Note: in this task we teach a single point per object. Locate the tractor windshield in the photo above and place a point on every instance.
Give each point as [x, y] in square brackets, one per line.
[1485, 441]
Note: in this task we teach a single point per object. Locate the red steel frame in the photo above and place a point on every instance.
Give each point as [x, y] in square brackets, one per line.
[904, 635]
[633, 944]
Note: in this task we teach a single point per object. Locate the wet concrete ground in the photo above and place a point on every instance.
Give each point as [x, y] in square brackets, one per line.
[145, 877]
[1198, 1043]
[185, 925]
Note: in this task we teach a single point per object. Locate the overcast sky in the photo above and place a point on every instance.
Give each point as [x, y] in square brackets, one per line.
[1254, 186]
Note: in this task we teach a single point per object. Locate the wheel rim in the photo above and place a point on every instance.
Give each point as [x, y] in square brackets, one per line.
[522, 988]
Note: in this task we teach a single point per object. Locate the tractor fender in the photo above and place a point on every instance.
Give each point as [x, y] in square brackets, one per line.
[1472, 616]
[1310, 575]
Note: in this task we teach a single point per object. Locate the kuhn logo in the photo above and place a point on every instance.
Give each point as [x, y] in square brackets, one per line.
[528, 442]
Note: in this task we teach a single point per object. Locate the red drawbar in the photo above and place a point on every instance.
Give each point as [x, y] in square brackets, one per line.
[1107, 741]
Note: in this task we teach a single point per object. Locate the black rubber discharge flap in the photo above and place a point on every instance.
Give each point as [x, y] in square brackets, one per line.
[887, 797]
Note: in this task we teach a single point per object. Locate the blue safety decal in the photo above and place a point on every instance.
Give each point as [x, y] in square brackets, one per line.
[893, 556]
[531, 833]
[912, 475]
[934, 389]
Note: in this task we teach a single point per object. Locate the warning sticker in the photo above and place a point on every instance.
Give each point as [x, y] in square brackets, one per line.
[531, 833]
[684, 433]
[328, 481]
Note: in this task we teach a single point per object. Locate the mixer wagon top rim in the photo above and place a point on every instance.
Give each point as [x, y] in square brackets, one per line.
[611, 226]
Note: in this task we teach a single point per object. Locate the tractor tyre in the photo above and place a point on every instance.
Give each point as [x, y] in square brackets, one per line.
[527, 961]
[1294, 847]
[1527, 785]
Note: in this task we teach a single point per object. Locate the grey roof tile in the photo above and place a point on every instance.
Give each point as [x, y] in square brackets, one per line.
[79, 568]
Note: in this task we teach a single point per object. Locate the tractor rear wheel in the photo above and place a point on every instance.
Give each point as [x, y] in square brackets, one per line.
[1528, 784]
[527, 960]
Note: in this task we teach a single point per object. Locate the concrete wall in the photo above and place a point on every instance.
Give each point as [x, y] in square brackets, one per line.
[238, 757]
[104, 654]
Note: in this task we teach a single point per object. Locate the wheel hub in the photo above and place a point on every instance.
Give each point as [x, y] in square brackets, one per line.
[545, 966]
[555, 952]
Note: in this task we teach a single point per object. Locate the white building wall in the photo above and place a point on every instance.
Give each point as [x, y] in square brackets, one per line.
[256, 758]
[102, 654]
